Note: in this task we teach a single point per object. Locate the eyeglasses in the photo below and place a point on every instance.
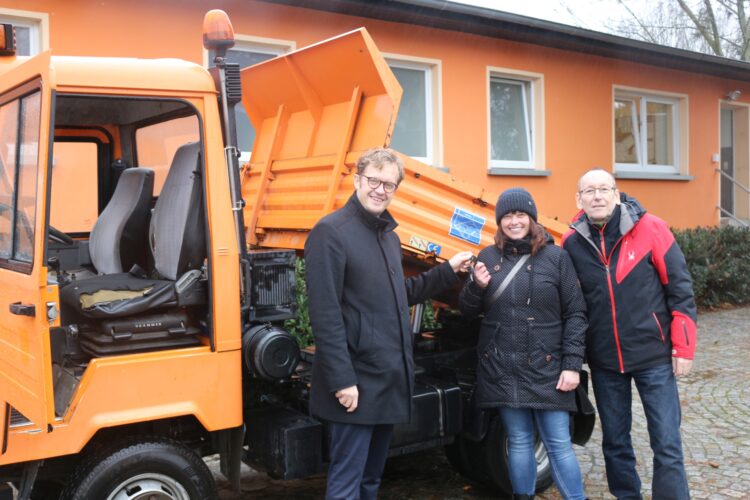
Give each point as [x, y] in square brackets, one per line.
[590, 192]
[375, 183]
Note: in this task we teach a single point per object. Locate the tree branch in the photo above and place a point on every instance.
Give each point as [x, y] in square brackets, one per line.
[647, 36]
[728, 5]
[744, 52]
[711, 35]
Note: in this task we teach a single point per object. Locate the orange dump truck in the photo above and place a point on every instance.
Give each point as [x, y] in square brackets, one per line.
[145, 275]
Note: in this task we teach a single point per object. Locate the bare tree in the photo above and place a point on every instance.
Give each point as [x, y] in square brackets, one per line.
[719, 27]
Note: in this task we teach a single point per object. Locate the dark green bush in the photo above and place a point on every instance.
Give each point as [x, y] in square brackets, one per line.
[718, 260]
[300, 326]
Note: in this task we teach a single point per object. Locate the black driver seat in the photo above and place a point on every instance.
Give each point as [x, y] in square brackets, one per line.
[177, 242]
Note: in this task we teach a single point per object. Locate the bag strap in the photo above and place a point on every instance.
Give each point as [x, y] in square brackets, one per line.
[509, 278]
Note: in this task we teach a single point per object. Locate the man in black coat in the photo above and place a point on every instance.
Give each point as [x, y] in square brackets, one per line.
[363, 371]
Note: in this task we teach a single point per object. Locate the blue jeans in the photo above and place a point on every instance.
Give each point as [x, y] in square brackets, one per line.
[358, 454]
[554, 429]
[658, 390]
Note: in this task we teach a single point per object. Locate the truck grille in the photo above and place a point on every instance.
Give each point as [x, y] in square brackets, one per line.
[273, 285]
[17, 419]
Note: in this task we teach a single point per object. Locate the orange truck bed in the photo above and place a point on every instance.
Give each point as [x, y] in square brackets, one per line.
[315, 111]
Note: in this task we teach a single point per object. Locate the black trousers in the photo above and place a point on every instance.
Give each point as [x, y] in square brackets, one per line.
[358, 454]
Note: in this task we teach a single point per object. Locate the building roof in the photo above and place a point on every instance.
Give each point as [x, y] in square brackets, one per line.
[497, 24]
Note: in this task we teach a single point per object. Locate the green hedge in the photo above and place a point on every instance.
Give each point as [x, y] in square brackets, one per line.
[719, 262]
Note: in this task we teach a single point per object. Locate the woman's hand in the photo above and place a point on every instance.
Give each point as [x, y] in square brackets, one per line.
[481, 275]
[569, 380]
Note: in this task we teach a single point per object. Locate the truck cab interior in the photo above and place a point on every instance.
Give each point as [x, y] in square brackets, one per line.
[127, 236]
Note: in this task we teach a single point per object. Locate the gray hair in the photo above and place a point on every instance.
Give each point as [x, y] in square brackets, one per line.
[597, 169]
[377, 157]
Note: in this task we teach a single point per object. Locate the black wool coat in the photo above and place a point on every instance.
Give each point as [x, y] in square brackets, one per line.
[359, 309]
[531, 333]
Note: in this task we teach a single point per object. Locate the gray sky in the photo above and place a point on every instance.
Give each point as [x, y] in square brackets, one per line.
[590, 14]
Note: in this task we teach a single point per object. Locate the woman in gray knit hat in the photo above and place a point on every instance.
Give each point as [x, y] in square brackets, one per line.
[531, 342]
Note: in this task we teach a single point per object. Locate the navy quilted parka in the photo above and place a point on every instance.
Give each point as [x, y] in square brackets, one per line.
[532, 332]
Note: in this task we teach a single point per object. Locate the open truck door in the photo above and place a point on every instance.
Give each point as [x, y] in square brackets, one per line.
[27, 307]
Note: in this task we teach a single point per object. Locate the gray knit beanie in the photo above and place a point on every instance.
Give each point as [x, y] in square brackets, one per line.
[515, 200]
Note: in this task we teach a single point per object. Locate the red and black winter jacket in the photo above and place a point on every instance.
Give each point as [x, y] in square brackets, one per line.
[637, 287]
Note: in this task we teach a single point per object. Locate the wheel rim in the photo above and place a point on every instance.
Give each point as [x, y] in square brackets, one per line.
[540, 454]
[149, 486]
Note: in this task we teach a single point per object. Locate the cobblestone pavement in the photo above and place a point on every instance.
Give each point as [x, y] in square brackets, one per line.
[716, 436]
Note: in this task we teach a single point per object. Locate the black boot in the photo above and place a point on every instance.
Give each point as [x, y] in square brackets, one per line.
[522, 497]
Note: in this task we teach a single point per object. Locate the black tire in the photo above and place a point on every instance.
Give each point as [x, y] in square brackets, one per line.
[465, 456]
[495, 454]
[167, 468]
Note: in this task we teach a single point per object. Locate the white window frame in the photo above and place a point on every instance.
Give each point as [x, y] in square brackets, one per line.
[679, 130]
[532, 90]
[37, 22]
[433, 102]
[261, 45]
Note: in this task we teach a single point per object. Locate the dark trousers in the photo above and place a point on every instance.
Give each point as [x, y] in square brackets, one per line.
[657, 388]
[358, 454]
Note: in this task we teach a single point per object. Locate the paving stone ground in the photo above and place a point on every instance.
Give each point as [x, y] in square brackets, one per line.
[715, 399]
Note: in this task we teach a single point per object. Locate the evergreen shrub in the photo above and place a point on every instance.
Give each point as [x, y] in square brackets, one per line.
[719, 262]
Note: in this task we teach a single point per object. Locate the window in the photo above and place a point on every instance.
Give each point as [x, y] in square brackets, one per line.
[415, 133]
[74, 186]
[31, 30]
[648, 132]
[19, 154]
[157, 144]
[510, 112]
[246, 52]
[516, 137]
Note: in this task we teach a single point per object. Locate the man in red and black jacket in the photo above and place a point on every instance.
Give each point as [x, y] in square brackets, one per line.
[642, 327]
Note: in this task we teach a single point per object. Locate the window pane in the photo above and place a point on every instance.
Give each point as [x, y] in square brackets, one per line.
[156, 145]
[23, 40]
[245, 129]
[660, 136]
[508, 121]
[8, 143]
[247, 58]
[410, 132]
[23, 249]
[74, 187]
[626, 149]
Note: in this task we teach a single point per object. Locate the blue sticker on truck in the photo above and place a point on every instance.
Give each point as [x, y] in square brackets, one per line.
[466, 226]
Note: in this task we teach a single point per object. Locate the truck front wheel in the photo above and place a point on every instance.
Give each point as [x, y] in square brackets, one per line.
[158, 469]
